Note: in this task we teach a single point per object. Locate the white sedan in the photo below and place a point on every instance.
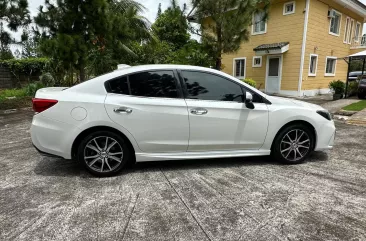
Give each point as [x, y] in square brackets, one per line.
[168, 112]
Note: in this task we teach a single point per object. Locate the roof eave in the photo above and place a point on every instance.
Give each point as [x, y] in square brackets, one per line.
[354, 6]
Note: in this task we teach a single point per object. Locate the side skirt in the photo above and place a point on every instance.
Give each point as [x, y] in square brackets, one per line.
[143, 157]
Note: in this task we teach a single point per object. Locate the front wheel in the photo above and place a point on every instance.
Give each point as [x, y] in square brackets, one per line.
[293, 144]
[103, 153]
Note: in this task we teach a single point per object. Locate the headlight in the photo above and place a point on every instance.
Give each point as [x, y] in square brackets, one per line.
[325, 114]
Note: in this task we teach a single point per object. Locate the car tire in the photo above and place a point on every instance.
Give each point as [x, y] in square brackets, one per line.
[293, 144]
[104, 153]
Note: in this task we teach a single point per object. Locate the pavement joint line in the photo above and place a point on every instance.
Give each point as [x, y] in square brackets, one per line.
[189, 210]
[129, 217]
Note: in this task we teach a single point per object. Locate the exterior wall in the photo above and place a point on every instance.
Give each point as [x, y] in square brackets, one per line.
[320, 42]
[280, 28]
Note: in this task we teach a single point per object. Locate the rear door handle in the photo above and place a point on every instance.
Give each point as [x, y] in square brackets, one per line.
[122, 110]
[199, 111]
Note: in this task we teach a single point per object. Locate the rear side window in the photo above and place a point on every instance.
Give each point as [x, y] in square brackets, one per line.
[205, 86]
[148, 84]
[119, 86]
[153, 84]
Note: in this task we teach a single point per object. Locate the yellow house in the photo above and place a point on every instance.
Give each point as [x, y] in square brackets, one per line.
[300, 48]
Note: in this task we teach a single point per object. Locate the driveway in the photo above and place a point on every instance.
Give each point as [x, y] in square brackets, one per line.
[226, 199]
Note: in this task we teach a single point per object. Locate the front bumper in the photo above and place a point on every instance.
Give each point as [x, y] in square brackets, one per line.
[325, 137]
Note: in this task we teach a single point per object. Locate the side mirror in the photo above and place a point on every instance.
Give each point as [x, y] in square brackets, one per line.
[249, 100]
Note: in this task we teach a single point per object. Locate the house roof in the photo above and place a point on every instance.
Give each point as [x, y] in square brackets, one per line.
[271, 46]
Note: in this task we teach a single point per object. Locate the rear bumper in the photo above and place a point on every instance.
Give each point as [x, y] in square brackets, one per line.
[52, 137]
[45, 153]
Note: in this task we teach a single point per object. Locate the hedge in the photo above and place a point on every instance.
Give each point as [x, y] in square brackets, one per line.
[25, 66]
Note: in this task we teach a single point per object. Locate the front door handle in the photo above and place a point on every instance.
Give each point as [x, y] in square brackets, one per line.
[199, 111]
[122, 110]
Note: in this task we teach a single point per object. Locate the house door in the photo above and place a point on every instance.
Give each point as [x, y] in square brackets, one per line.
[273, 75]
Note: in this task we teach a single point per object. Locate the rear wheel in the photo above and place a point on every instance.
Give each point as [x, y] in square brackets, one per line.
[293, 144]
[103, 153]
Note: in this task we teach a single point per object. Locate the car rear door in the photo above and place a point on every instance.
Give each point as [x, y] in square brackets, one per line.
[150, 106]
[219, 119]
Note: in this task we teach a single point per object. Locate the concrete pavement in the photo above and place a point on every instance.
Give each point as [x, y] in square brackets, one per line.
[226, 199]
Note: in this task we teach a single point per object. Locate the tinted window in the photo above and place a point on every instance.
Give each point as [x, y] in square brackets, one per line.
[153, 84]
[119, 86]
[207, 86]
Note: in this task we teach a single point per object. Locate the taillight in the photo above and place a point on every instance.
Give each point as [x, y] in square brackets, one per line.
[40, 105]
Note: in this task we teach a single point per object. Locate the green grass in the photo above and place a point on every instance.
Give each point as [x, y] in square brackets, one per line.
[356, 106]
[12, 92]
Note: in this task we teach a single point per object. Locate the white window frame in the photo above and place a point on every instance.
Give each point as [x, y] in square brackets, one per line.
[359, 31]
[335, 66]
[340, 25]
[346, 30]
[260, 32]
[245, 67]
[288, 3]
[316, 64]
[350, 31]
[257, 65]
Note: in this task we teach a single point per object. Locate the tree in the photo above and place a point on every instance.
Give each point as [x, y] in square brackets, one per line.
[225, 23]
[159, 11]
[76, 29]
[15, 14]
[171, 26]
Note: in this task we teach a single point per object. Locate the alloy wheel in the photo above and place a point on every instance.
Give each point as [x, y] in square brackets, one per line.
[103, 154]
[294, 145]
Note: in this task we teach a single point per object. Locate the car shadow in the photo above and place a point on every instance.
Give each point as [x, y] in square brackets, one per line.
[49, 166]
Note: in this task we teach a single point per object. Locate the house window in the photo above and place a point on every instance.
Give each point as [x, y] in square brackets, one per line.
[330, 66]
[350, 31]
[346, 30]
[257, 61]
[289, 8]
[357, 31]
[313, 65]
[259, 26]
[239, 68]
[335, 23]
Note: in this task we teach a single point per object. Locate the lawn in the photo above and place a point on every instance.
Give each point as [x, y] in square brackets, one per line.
[356, 106]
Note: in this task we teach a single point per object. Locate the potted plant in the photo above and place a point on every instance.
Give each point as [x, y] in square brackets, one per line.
[338, 87]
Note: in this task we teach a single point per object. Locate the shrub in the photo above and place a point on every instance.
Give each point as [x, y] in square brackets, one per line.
[25, 66]
[47, 79]
[352, 88]
[337, 86]
[32, 88]
[250, 82]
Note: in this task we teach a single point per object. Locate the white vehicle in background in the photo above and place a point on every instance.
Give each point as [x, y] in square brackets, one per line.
[167, 112]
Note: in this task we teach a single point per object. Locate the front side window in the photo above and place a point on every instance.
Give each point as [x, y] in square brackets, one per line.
[335, 23]
[206, 86]
[259, 26]
[330, 66]
[313, 64]
[289, 8]
[153, 84]
[239, 68]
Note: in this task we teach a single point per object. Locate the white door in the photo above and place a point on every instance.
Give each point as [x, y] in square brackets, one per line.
[219, 120]
[273, 75]
[147, 104]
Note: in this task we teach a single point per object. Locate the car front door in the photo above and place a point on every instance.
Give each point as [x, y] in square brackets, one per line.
[149, 105]
[218, 117]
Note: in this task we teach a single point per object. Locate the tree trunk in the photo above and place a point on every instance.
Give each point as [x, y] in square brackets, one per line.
[219, 46]
[82, 73]
[218, 63]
